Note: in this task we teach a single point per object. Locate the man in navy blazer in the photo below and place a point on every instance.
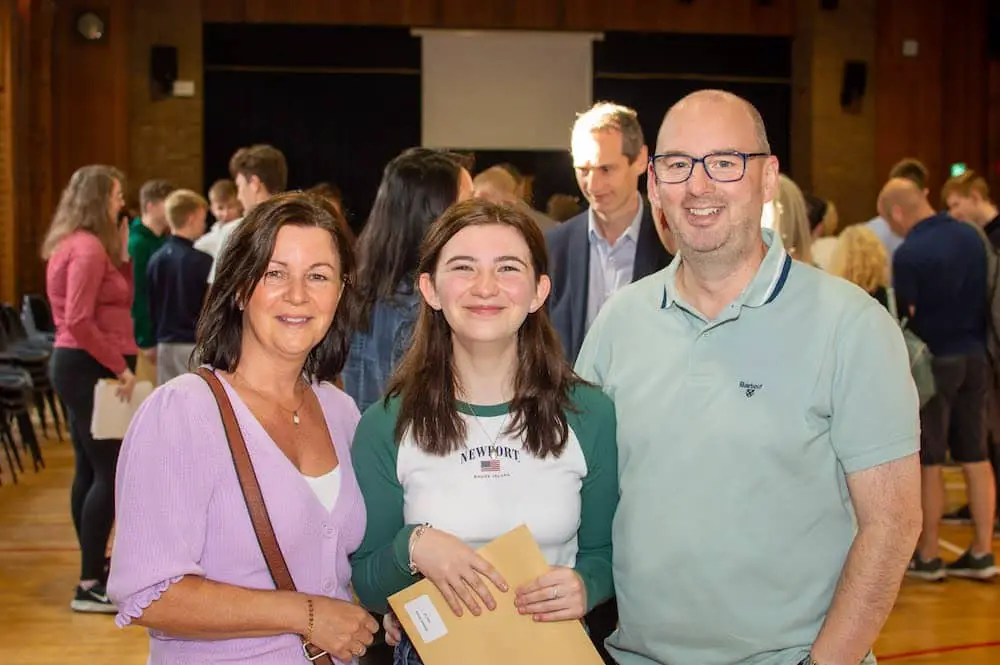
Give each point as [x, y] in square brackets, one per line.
[618, 239]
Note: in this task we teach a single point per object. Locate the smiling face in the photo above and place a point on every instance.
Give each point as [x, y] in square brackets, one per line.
[484, 284]
[707, 216]
[292, 306]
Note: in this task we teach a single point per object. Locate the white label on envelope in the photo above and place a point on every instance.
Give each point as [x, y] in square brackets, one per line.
[426, 618]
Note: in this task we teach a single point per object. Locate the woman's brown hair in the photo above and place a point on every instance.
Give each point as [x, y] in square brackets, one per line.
[425, 380]
[84, 206]
[242, 265]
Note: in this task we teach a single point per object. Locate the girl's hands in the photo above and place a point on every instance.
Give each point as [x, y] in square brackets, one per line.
[557, 595]
[456, 570]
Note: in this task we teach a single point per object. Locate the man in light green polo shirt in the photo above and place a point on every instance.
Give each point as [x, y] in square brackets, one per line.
[767, 426]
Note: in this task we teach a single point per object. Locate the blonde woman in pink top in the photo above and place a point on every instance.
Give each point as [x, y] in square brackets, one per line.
[89, 287]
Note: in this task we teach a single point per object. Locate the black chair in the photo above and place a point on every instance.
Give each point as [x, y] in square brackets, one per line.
[15, 397]
[33, 354]
[36, 316]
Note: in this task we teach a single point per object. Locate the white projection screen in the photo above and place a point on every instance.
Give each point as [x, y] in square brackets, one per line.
[503, 90]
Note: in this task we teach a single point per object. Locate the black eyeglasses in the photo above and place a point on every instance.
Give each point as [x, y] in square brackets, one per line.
[673, 168]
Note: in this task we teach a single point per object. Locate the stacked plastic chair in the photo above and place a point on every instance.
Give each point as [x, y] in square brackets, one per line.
[21, 356]
[15, 397]
[36, 317]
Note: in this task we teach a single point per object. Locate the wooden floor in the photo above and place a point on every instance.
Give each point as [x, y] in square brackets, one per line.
[957, 622]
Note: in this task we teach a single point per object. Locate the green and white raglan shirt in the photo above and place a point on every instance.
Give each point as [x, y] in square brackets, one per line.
[485, 489]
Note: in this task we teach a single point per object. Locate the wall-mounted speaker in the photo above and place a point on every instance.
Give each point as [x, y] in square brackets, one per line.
[162, 70]
[853, 85]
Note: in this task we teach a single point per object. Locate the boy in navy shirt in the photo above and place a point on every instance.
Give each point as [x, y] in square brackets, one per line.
[177, 278]
[939, 273]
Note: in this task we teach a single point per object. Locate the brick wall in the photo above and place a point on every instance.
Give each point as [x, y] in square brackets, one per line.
[165, 136]
[834, 150]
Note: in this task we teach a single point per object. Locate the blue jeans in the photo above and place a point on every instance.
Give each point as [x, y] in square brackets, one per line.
[405, 653]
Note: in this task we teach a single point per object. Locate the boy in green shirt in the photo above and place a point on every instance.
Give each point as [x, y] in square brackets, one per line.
[146, 235]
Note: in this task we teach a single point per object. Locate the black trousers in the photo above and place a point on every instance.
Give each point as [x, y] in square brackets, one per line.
[92, 497]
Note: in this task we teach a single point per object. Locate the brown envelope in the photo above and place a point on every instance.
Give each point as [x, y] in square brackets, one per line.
[500, 637]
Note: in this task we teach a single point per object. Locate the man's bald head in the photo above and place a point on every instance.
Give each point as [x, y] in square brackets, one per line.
[714, 218]
[495, 184]
[902, 192]
[902, 203]
[708, 101]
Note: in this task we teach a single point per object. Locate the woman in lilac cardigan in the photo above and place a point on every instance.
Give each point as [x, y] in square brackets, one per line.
[186, 562]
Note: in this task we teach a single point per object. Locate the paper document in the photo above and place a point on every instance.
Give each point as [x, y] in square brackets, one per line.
[500, 637]
[111, 415]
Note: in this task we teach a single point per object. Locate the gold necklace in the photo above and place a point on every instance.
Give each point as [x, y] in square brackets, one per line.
[295, 413]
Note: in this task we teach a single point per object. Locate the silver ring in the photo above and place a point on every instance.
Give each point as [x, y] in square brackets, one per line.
[555, 593]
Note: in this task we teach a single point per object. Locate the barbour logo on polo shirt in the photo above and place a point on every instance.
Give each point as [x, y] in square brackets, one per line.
[750, 388]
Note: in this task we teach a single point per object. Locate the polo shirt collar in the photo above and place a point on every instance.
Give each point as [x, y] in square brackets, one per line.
[764, 288]
[632, 232]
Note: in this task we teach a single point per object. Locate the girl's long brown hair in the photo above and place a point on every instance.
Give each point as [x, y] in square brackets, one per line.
[425, 380]
[84, 207]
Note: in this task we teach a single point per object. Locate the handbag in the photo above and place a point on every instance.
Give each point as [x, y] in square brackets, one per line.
[255, 503]
[921, 359]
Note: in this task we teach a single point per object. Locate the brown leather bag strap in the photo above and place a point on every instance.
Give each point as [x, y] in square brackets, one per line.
[255, 501]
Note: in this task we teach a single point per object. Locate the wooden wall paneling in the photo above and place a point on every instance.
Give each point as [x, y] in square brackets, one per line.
[776, 18]
[704, 16]
[908, 90]
[91, 90]
[349, 12]
[223, 11]
[391, 12]
[8, 204]
[965, 88]
[36, 20]
[802, 99]
[603, 15]
[993, 129]
[499, 14]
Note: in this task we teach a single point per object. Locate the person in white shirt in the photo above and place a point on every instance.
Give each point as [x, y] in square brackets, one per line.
[260, 171]
[225, 208]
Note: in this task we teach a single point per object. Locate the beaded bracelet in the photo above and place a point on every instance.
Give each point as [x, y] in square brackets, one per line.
[307, 638]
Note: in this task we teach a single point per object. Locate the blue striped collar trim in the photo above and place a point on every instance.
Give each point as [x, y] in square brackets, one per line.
[770, 280]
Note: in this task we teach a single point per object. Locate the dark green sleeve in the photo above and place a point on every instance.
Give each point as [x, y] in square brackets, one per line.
[141, 252]
[380, 566]
[596, 428]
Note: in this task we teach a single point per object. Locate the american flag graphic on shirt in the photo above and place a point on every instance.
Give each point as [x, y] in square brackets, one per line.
[492, 465]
